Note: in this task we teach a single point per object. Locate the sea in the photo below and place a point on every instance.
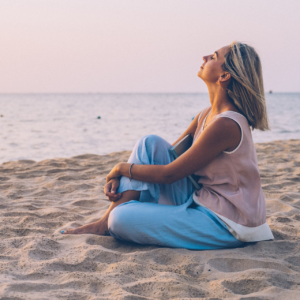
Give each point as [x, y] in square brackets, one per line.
[43, 126]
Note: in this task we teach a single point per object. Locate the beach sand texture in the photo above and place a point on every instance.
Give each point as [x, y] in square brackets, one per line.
[39, 199]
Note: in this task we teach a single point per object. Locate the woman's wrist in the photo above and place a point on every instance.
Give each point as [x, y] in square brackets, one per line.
[124, 169]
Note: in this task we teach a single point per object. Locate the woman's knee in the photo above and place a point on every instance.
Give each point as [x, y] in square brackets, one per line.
[154, 145]
[151, 140]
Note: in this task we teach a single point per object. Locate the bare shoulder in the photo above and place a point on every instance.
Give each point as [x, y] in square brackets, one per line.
[226, 128]
[224, 134]
[227, 124]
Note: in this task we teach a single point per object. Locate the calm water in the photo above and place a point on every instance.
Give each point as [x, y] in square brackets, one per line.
[41, 126]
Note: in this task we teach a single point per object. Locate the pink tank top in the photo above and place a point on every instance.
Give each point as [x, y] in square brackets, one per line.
[231, 182]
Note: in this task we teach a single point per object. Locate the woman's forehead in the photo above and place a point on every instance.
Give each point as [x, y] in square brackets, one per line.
[223, 51]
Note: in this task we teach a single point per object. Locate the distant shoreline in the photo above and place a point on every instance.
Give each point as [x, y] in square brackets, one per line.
[125, 152]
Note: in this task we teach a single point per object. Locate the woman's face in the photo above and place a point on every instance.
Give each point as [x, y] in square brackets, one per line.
[211, 69]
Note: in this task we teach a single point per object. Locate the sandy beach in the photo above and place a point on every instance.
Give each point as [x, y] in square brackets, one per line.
[39, 199]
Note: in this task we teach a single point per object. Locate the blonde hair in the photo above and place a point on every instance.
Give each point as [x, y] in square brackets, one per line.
[246, 88]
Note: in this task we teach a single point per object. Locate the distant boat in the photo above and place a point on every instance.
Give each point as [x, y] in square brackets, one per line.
[270, 92]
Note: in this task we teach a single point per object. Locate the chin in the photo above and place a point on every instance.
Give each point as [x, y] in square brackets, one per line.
[199, 74]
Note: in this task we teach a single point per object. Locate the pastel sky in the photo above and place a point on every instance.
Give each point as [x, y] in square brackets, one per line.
[140, 45]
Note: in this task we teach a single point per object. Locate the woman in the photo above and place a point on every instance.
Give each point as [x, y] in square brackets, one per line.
[156, 202]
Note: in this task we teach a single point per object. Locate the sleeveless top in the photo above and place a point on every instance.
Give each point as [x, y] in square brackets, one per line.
[231, 185]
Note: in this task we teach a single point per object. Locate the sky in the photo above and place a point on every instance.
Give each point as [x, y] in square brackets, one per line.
[116, 46]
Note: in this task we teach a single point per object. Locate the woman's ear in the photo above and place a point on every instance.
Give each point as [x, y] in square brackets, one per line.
[224, 79]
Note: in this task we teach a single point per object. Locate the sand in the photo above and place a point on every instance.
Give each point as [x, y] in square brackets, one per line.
[39, 199]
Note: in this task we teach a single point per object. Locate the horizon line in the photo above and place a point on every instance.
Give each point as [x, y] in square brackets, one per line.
[95, 93]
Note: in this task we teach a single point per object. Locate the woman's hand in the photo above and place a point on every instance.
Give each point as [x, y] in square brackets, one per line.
[110, 190]
[114, 173]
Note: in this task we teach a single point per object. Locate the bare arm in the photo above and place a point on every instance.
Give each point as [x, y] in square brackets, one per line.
[221, 135]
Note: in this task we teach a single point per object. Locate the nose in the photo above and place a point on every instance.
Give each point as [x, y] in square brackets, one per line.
[205, 58]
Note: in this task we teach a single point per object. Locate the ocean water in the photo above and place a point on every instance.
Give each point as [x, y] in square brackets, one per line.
[42, 126]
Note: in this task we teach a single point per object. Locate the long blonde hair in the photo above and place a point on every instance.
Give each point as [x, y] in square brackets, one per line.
[246, 88]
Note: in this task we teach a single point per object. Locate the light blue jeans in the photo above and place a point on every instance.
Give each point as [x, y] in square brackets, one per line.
[166, 214]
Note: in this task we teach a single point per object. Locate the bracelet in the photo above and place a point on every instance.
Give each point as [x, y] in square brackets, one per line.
[130, 171]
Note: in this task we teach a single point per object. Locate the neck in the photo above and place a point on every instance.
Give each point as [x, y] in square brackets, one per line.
[219, 99]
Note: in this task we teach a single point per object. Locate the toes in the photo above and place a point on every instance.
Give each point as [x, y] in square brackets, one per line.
[68, 231]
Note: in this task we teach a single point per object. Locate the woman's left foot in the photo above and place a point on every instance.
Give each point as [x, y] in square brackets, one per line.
[100, 227]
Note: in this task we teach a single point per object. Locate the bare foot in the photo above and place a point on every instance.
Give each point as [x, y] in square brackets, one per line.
[100, 227]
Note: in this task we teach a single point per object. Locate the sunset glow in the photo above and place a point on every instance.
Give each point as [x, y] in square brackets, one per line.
[139, 46]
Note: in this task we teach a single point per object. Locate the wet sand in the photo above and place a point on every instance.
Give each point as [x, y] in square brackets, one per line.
[39, 199]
